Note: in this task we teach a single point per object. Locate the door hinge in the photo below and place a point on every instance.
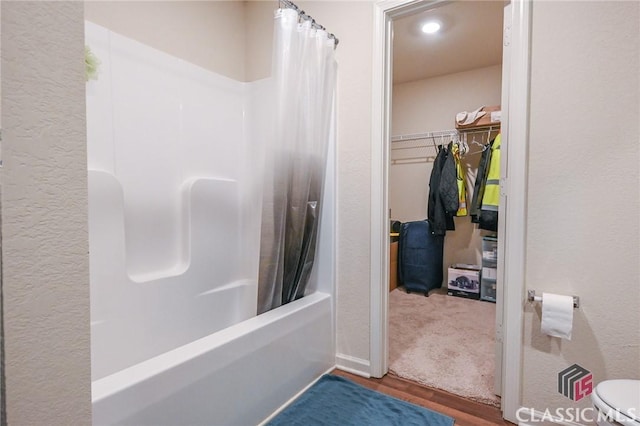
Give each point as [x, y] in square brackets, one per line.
[503, 187]
[506, 40]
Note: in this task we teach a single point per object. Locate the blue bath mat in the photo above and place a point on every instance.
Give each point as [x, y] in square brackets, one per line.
[334, 400]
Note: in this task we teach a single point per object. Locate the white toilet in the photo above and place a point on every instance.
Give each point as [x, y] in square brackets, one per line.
[617, 402]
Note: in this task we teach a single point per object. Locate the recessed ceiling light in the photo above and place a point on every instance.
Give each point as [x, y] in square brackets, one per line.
[431, 27]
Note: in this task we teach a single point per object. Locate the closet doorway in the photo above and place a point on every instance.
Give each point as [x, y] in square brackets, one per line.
[427, 105]
[447, 65]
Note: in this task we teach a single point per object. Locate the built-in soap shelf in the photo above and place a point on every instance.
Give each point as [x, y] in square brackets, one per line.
[208, 204]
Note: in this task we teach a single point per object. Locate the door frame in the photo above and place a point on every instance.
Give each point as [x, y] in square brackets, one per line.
[513, 187]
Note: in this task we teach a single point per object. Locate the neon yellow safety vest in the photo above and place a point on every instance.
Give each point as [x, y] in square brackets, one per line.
[460, 178]
[491, 197]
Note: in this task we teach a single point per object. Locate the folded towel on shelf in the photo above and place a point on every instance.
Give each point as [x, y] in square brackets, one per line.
[464, 117]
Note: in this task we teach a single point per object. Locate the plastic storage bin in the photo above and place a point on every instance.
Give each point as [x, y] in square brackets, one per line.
[488, 290]
[489, 252]
[489, 272]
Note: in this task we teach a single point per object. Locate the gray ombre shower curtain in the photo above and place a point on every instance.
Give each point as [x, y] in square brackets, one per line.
[304, 71]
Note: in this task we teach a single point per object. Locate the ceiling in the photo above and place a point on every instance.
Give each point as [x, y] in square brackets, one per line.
[470, 37]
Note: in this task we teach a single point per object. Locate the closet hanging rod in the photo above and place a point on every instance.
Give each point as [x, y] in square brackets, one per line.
[291, 5]
[415, 136]
[413, 160]
[442, 133]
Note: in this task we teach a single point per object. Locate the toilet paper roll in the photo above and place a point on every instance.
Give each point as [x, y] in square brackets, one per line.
[557, 315]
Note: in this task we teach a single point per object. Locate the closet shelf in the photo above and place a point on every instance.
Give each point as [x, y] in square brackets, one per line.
[484, 123]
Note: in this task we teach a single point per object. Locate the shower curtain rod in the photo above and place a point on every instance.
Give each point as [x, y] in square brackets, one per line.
[291, 5]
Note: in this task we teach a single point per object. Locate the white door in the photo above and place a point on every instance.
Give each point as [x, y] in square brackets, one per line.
[506, 57]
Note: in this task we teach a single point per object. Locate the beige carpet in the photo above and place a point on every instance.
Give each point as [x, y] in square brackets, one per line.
[444, 342]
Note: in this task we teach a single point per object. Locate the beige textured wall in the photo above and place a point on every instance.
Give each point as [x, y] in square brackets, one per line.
[44, 215]
[232, 38]
[583, 233]
[352, 23]
[431, 105]
[210, 34]
[259, 38]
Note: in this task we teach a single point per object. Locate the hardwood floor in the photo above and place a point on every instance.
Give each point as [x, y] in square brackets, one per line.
[465, 412]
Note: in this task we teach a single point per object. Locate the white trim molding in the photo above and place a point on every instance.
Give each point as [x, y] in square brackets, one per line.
[351, 364]
[515, 188]
[379, 259]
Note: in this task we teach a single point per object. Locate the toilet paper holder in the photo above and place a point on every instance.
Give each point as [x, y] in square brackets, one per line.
[531, 297]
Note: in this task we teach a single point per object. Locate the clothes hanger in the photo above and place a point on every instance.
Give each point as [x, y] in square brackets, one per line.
[465, 146]
[433, 139]
[488, 144]
[475, 142]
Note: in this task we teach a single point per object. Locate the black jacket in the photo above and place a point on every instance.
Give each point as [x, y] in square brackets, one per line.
[443, 193]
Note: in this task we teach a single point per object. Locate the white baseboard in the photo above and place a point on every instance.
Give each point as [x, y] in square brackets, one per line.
[350, 364]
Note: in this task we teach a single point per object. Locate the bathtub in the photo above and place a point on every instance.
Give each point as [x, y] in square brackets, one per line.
[237, 376]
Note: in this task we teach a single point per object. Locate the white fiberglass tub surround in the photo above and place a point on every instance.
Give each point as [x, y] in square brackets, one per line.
[134, 319]
[174, 222]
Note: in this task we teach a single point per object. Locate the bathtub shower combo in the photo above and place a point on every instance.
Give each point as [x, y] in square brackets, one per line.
[175, 195]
